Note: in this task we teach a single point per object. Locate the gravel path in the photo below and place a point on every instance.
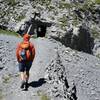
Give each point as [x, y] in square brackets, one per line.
[81, 69]
[9, 76]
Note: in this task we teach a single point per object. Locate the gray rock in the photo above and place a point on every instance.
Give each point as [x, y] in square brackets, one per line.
[69, 74]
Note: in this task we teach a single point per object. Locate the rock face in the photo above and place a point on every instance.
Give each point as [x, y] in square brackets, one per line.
[96, 49]
[83, 40]
[57, 77]
[72, 76]
[34, 26]
[65, 13]
[14, 11]
[79, 39]
[58, 72]
[66, 16]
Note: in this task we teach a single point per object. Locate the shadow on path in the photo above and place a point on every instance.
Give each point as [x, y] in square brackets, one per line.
[38, 83]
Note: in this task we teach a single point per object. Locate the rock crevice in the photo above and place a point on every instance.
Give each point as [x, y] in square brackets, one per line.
[57, 78]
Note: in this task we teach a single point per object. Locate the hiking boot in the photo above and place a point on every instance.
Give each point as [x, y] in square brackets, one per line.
[22, 85]
[26, 86]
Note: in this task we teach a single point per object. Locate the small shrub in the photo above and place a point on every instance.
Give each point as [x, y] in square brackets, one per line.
[6, 79]
[19, 18]
[6, 32]
[98, 56]
[1, 95]
[63, 22]
[17, 75]
[63, 5]
[11, 2]
[95, 33]
[97, 1]
[44, 97]
[50, 8]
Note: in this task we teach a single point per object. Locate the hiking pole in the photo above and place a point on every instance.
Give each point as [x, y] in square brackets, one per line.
[32, 21]
[29, 29]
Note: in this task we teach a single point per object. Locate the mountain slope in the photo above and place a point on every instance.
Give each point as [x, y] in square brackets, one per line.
[80, 70]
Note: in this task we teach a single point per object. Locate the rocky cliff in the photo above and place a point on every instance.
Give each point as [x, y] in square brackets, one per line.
[66, 66]
[75, 23]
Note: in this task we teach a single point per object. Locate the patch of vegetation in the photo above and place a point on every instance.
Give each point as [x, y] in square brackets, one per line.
[50, 8]
[75, 22]
[63, 21]
[88, 4]
[11, 2]
[1, 95]
[42, 2]
[63, 5]
[6, 79]
[52, 17]
[43, 96]
[95, 33]
[12, 33]
[19, 18]
[97, 1]
[98, 56]
[7, 32]
[17, 75]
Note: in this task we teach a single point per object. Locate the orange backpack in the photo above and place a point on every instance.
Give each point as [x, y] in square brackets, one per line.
[25, 53]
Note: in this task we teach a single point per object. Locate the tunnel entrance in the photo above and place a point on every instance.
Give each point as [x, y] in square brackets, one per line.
[34, 26]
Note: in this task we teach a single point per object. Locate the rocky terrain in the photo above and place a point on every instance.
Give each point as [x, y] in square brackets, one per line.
[67, 61]
[67, 17]
[58, 73]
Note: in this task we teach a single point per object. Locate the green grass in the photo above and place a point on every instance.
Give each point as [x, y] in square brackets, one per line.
[63, 5]
[97, 1]
[12, 33]
[11, 2]
[6, 79]
[42, 96]
[1, 95]
[63, 22]
[98, 56]
[6, 32]
[95, 33]
[17, 75]
[19, 18]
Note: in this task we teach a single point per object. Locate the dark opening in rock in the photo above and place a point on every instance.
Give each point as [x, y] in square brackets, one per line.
[34, 26]
[3, 27]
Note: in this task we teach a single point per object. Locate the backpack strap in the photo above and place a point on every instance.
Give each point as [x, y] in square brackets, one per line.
[25, 45]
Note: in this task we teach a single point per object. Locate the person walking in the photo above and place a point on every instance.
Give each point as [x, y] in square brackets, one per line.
[25, 53]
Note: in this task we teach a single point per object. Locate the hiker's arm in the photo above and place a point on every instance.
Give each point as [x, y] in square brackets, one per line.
[33, 51]
[17, 55]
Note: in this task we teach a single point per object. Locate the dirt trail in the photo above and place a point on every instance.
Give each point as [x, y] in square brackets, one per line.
[80, 68]
[10, 81]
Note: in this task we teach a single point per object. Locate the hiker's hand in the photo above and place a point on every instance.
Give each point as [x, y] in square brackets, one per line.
[20, 59]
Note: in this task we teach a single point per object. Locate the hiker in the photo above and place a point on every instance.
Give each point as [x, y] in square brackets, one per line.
[41, 31]
[23, 28]
[25, 53]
